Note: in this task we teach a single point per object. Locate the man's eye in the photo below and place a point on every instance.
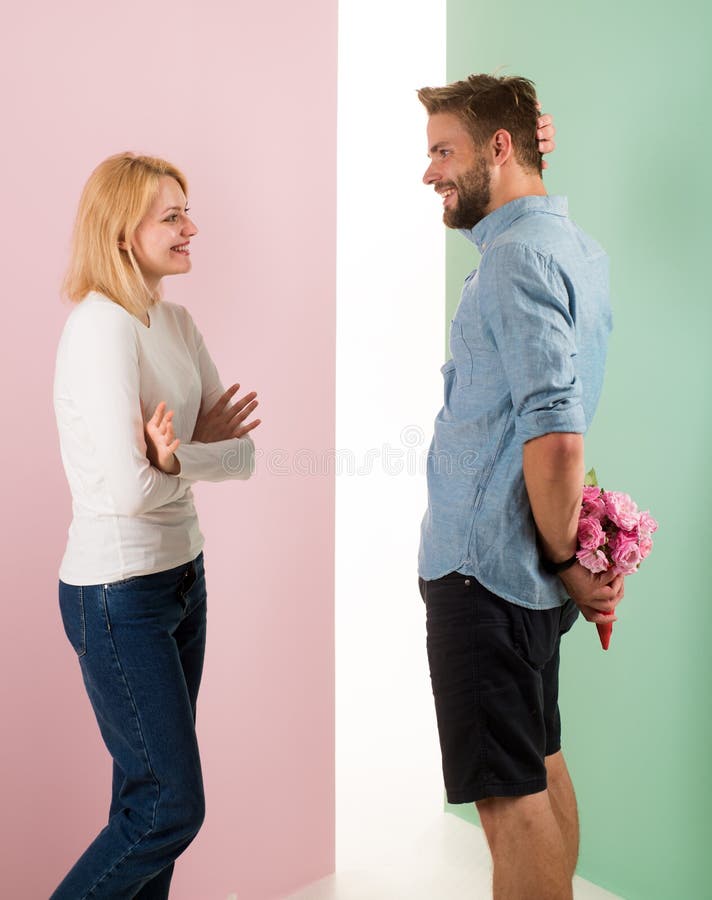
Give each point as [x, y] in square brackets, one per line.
[444, 153]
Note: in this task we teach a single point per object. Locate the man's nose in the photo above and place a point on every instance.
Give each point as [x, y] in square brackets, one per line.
[430, 175]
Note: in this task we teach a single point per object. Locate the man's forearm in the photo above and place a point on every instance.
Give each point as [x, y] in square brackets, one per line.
[553, 473]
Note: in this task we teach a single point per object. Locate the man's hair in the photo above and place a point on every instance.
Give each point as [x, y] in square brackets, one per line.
[486, 103]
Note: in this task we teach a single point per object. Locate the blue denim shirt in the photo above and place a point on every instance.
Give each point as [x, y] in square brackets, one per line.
[528, 346]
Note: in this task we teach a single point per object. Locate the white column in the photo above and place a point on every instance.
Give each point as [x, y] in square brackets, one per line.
[390, 338]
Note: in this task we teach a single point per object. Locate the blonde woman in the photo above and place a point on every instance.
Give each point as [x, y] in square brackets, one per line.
[141, 414]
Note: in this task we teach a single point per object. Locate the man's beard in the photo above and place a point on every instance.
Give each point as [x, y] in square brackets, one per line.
[473, 198]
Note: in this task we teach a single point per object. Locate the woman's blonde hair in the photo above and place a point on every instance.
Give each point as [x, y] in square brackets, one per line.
[115, 199]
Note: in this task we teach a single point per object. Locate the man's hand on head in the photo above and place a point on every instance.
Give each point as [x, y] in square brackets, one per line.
[545, 133]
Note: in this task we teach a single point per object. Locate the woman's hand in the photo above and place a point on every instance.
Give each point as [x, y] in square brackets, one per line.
[545, 132]
[223, 421]
[161, 442]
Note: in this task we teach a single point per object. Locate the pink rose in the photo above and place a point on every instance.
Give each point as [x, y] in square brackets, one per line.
[593, 560]
[625, 552]
[646, 545]
[592, 505]
[647, 523]
[594, 509]
[621, 510]
[591, 492]
[590, 533]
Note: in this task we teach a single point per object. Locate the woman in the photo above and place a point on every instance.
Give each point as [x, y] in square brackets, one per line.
[141, 415]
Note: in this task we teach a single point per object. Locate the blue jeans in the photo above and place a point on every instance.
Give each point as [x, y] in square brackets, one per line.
[140, 644]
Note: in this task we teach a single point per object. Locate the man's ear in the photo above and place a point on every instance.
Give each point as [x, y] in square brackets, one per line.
[501, 147]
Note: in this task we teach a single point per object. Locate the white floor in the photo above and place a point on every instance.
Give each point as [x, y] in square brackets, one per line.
[448, 861]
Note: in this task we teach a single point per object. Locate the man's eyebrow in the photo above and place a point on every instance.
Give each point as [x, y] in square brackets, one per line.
[438, 146]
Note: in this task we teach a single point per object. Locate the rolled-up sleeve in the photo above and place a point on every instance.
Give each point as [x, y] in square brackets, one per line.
[526, 307]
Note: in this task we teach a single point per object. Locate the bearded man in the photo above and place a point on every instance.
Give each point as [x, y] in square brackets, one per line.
[497, 565]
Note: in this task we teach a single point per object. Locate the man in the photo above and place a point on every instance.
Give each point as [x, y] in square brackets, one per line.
[497, 564]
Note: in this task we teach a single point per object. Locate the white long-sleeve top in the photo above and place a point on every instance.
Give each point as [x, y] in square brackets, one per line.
[111, 373]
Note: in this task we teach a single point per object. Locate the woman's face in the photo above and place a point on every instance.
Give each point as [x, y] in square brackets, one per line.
[160, 243]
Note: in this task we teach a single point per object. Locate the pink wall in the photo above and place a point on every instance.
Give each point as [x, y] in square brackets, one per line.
[242, 97]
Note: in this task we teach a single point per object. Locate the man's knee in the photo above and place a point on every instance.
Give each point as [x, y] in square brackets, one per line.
[511, 815]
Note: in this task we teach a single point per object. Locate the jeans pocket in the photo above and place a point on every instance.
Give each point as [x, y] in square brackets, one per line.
[71, 604]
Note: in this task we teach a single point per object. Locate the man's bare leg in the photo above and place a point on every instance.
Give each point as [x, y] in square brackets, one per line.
[563, 804]
[530, 857]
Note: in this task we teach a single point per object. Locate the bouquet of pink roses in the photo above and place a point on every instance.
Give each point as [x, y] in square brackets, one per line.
[612, 534]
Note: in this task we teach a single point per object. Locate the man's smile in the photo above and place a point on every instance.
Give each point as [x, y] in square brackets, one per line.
[446, 193]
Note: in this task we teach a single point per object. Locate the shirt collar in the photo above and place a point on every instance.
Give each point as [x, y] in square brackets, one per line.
[500, 219]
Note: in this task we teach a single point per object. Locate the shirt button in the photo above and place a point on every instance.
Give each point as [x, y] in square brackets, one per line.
[467, 582]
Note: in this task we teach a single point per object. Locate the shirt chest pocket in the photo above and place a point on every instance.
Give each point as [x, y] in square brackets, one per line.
[461, 355]
[475, 364]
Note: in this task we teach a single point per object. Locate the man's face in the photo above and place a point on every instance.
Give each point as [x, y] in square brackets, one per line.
[458, 172]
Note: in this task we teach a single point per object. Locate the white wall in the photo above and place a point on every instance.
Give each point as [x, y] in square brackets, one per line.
[390, 330]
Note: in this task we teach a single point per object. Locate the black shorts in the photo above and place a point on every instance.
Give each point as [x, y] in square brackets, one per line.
[494, 668]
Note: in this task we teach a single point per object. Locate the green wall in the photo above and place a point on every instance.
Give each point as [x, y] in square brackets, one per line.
[629, 87]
